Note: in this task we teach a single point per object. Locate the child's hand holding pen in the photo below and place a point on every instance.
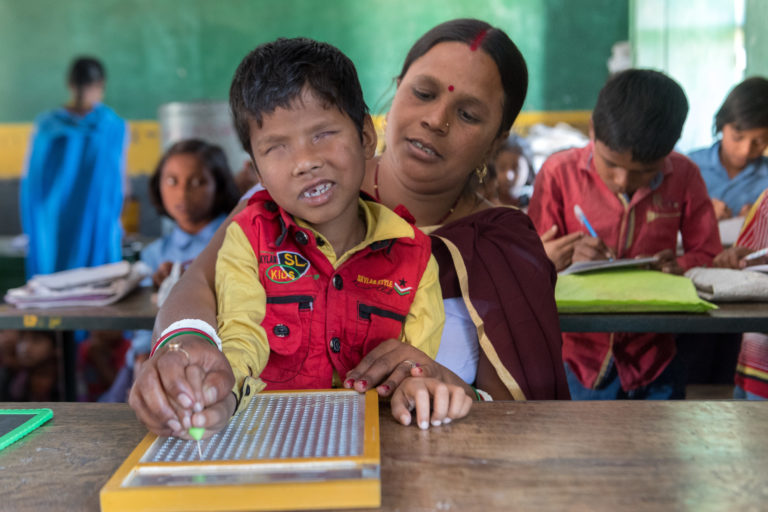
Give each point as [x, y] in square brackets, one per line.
[590, 248]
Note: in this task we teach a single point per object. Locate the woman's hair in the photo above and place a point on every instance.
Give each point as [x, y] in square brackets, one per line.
[85, 71]
[496, 43]
[746, 106]
[214, 159]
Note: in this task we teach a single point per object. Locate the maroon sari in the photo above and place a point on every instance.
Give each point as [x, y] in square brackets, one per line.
[510, 283]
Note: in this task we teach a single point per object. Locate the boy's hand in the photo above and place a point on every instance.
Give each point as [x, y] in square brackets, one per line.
[560, 250]
[667, 263]
[448, 402]
[588, 248]
[721, 209]
[177, 389]
[731, 258]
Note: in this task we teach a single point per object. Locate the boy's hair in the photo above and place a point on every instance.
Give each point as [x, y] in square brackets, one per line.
[85, 71]
[746, 106]
[641, 111]
[214, 159]
[495, 42]
[275, 74]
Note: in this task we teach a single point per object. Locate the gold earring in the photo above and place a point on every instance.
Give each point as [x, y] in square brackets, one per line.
[481, 173]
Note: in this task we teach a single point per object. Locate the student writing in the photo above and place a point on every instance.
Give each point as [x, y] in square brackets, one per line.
[638, 194]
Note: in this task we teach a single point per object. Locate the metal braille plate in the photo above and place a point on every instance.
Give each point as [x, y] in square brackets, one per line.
[279, 426]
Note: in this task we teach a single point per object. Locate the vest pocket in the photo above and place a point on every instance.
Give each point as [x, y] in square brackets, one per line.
[375, 324]
[287, 324]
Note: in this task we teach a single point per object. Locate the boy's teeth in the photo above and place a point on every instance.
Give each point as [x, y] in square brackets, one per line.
[421, 147]
[320, 189]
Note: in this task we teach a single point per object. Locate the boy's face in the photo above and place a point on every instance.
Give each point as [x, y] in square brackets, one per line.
[620, 172]
[740, 147]
[311, 160]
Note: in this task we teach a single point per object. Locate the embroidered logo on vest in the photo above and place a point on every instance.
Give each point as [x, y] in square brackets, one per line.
[286, 266]
[383, 285]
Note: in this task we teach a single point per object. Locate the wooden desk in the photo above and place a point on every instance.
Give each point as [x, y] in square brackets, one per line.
[733, 317]
[135, 311]
[504, 456]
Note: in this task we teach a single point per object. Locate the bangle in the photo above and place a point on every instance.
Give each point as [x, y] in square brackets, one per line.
[482, 396]
[191, 326]
[197, 325]
[179, 332]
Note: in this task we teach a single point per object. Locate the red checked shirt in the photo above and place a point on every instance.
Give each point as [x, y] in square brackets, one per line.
[676, 201]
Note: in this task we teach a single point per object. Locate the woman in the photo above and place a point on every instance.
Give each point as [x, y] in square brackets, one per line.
[734, 168]
[461, 87]
[72, 190]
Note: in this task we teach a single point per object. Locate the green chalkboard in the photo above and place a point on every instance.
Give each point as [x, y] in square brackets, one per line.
[158, 51]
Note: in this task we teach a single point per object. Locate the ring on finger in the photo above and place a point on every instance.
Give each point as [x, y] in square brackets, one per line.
[175, 346]
[411, 364]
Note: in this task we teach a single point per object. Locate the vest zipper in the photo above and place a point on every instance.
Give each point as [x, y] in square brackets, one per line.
[304, 301]
[365, 311]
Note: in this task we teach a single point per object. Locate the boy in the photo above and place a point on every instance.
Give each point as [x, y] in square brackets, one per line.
[310, 276]
[637, 194]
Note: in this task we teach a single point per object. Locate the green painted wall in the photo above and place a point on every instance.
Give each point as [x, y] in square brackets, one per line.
[175, 50]
[756, 37]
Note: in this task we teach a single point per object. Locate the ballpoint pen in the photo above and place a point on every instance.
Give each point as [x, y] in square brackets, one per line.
[583, 219]
[756, 254]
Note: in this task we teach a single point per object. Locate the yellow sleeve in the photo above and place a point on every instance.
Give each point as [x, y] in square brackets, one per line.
[241, 301]
[424, 323]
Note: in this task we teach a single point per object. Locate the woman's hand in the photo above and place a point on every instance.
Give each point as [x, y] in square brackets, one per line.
[177, 389]
[448, 401]
[560, 250]
[411, 378]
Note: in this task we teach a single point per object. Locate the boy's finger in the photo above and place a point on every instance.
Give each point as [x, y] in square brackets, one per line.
[441, 401]
[549, 234]
[421, 401]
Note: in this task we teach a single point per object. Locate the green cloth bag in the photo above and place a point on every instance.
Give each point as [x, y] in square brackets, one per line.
[627, 291]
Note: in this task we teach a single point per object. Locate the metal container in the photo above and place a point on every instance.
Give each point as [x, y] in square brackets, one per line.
[207, 120]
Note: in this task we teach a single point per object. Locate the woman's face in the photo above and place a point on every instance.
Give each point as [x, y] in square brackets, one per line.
[445, 117]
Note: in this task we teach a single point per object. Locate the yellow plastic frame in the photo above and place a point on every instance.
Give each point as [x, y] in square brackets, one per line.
[351, 493]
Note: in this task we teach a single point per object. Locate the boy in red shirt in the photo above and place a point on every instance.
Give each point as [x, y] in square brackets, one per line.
[637, 194]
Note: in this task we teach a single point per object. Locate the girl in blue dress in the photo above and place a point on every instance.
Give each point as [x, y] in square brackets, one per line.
[193, 186]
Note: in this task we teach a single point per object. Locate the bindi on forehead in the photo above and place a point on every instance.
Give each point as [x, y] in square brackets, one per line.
[450, 88]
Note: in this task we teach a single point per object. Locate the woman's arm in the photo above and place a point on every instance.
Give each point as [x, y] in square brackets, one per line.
[412, 379]
[167, 394]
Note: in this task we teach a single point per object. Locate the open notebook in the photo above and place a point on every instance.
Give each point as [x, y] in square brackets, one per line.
[591, 266]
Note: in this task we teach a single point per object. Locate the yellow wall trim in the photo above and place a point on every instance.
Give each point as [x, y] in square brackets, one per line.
[144, 148]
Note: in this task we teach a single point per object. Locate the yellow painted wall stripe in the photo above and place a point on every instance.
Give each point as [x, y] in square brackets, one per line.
[144, 148]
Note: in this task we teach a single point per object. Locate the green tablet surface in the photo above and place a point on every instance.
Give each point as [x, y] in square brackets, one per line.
[16, 423]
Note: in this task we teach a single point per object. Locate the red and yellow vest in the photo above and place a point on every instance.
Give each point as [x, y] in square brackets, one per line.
[319, 319]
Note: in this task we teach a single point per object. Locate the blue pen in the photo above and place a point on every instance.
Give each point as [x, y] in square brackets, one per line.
[583, 219]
